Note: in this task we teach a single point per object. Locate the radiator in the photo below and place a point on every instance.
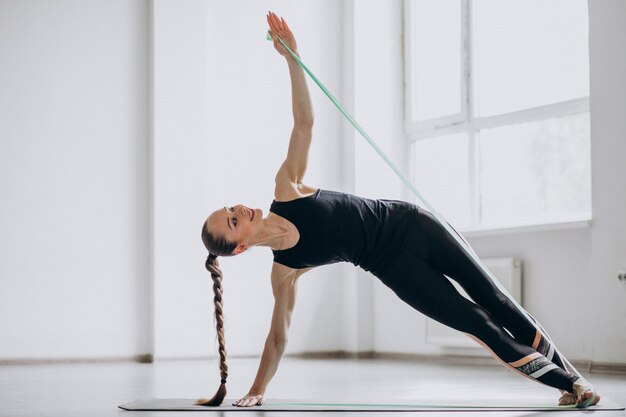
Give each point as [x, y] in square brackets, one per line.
[508, 271]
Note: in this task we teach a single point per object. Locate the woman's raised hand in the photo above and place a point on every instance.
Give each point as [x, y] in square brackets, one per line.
[278, 26]
[250, 400]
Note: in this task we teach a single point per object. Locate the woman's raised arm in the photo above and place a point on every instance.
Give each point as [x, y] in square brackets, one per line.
[293, 169]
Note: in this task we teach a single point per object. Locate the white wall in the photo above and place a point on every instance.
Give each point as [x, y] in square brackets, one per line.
[222, 111]
[124, 124]
[180, 126]
[73, 179]
[608, 235]
[570, 276]
[384, 323]
[372, 77]
[102, 204]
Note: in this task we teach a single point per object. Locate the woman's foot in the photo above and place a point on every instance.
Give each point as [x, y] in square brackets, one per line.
[583, 390]
[567, 398]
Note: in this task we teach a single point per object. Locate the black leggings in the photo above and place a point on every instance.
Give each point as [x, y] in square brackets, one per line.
[417, 277]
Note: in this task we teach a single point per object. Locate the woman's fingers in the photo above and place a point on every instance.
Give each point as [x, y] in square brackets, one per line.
[278, 24]
[275, 21]
[249, 401]
[270, 20]
[286, 26]
[279, 28]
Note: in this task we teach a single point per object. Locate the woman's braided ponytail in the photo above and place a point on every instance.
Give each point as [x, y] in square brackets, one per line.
[213, 267]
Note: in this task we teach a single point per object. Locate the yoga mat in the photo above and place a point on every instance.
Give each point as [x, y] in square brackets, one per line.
[181, 404]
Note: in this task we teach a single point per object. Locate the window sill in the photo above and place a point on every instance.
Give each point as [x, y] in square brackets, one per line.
[530, 228]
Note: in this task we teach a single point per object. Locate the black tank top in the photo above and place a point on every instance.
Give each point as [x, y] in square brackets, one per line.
[340, 227]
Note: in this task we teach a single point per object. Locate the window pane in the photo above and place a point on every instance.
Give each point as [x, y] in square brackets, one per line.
[528, 53]
[442, 176]
[435, 58]
[535, 172]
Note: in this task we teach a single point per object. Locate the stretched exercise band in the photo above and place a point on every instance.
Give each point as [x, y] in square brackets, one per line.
[429, 406]
[457, 236]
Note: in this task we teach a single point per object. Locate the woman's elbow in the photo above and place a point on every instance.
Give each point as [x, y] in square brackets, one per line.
[277, 337]
[280, 342]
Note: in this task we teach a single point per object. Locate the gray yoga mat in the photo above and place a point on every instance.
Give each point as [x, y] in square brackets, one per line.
[178, 404]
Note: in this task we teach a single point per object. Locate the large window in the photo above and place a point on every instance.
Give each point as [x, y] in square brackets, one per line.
[497, 109]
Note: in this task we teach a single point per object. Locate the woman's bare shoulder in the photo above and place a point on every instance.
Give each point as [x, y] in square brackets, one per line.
[287, 191]
[281, 272]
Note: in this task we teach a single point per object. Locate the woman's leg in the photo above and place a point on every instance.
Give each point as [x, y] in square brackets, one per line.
[429, 292]
[446, 256]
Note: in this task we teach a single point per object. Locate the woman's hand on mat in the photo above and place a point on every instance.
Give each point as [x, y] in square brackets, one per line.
[278, 26]
[250, 400]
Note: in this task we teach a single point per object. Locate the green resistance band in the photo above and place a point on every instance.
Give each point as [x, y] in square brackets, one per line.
[457, 236]
[429, 406]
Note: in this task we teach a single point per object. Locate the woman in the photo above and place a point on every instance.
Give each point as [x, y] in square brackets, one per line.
[400, 243]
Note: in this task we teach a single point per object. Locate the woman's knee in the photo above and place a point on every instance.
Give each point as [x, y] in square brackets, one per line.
[484, 326]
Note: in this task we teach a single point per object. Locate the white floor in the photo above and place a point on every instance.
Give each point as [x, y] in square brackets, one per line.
[97, 389]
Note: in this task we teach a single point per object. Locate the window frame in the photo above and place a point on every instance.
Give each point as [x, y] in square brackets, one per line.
[466, 122]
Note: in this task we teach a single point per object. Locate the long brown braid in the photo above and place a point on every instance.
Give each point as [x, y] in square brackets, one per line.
[213, 267]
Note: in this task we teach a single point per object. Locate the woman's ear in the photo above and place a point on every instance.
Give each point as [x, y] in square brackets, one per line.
[240, 248]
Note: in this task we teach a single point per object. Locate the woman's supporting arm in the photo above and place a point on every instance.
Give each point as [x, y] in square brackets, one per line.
[284, 285]
[272, 354]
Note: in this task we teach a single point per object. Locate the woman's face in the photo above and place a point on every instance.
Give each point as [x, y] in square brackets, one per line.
[236, 224]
